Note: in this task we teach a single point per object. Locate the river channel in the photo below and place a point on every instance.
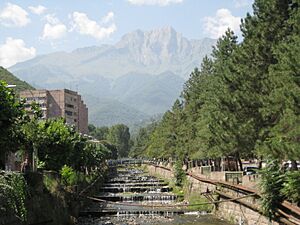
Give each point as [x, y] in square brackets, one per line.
[133, 197]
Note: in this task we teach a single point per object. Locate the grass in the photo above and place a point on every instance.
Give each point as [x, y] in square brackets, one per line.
[51, 183]
[195, 199]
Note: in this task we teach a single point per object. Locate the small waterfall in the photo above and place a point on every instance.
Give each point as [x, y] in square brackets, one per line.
[131, 195]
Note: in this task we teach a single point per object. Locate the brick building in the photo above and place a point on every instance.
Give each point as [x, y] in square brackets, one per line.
[60, 103]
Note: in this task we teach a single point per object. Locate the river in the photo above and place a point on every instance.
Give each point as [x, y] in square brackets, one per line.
[132, 197]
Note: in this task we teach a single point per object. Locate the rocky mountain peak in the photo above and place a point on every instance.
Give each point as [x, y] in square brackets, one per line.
[155, 46]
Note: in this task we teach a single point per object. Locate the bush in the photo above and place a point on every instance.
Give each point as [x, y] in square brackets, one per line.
[68, 175]
[13, 194]
[291, 186]
[271, 184]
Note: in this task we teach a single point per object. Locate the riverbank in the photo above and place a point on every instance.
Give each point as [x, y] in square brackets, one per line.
[42, 198]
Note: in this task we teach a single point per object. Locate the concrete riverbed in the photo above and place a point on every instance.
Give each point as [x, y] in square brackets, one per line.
[132, 197]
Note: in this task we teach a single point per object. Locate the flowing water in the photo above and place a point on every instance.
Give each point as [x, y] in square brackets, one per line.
[130, 197]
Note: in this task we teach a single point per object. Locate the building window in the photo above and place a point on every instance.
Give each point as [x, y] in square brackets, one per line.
[69, 113]
[69, 106]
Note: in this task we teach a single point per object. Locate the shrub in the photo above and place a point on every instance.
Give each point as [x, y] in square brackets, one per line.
[13, 194]
[271, 184]
[291, 186]
[68, 175]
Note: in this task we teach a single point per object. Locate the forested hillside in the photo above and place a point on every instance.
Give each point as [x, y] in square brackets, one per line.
[9, 78]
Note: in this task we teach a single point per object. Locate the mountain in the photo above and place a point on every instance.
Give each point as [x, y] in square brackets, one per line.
[144, 71]
[107, 112]
[152, 94]
[151, 52]
[9, 78]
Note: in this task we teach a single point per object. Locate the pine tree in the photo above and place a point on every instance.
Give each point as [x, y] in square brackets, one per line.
[262, 32]
[281, 109]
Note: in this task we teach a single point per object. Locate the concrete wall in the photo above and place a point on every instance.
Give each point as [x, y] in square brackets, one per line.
[250, 181]
[233, 212]
[38, 96]
[83, 116]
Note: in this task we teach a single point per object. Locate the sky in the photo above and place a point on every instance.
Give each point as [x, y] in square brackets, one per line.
[33, 27]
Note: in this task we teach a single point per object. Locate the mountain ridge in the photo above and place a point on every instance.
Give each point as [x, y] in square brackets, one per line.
[144, 70]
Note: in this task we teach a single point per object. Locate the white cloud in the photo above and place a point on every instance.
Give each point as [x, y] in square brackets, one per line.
[217, 25]
[84, 25]
[38, 9]
[154, 2]
[13, 16]
[53, 29]
[242, 3]
[109, 17]
[13, 51]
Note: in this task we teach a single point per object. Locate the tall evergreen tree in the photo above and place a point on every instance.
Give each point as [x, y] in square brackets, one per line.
[281, 109]
[262, 32]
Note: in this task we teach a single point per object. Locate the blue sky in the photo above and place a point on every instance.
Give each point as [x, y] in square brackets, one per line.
[33, 27]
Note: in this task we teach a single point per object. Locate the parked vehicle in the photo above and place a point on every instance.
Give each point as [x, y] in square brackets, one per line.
[249, 170]
[288, 165]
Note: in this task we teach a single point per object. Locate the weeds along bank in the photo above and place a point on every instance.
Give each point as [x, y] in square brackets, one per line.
[42, 198]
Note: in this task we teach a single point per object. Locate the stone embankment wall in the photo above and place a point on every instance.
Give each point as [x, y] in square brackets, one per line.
[242, 211]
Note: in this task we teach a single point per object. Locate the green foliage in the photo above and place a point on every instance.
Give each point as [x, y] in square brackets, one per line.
[179, 173]
[11, 116]
[68, 175]
[100, 133]
[280, 138]
[197, 203]
[271, 184]
[58, 144]
[140, 142]
[13, 194]
[54, 142]
[291, 190]
[120, 137]
[277, 185]
[114, 138]
[9, 78]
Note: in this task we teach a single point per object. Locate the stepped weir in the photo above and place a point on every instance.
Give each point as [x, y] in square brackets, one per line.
[132, 196]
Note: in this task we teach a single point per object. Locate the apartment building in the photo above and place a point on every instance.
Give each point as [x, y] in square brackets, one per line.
[60, 103]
